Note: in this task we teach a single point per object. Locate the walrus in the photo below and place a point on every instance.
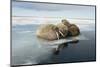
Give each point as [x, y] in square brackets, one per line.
[54, 32]
[49, 32]
[63, 30]
[65, 22]
[73, 30]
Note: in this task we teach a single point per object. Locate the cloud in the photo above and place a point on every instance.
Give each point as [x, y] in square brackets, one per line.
[21, 8]
[48, 6]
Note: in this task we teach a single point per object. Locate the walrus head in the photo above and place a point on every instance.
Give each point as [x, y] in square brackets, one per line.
[63, 30]
[65, 22]
[73, 30]
[48, 31]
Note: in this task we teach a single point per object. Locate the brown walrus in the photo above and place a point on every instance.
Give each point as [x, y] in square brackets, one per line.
[61, 30]
[73, 30]
[65, 22]
[49, 32]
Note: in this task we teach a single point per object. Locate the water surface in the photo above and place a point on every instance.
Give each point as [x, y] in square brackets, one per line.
[28, 49]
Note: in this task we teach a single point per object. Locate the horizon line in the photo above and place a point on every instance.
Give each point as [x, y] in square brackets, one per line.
[55, 17]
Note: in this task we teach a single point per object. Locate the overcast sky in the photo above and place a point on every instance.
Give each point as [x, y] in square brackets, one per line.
[52, 10]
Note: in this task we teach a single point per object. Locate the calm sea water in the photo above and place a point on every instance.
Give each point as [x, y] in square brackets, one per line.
[28, 49]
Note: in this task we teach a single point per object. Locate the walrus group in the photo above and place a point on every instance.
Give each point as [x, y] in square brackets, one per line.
[63, 29]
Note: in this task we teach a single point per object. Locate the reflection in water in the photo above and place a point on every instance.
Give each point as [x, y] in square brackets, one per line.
[63, 45]
[28, 49]
[57, 45]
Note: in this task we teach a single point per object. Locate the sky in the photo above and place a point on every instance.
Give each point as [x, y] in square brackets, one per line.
[52, 10]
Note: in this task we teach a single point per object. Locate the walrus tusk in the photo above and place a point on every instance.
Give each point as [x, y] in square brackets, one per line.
[57, 35]
[61, 33]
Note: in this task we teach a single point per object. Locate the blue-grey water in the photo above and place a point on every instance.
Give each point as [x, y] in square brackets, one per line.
[28, 49]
